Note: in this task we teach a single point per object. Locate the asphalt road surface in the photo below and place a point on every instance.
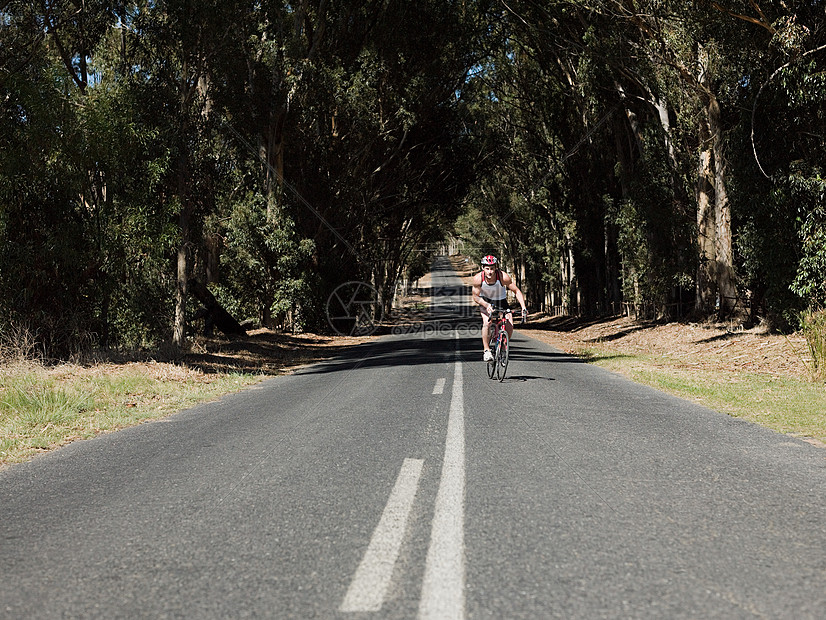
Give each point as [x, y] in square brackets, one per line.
[400, 482]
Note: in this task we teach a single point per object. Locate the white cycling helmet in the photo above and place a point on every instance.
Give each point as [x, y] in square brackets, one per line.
[490, 259]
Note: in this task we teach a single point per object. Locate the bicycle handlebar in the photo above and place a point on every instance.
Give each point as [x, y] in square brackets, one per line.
[496, 315]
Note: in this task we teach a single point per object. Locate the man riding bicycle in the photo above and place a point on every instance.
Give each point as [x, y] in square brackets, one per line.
[490, 292]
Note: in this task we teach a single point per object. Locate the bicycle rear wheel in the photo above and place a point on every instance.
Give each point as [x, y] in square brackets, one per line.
[501, 360]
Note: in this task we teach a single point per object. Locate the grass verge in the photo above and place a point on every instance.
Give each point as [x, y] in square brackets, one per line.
[42, 408]
[785, 404]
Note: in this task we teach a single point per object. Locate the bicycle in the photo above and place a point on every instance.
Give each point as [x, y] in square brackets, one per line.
[499, 344]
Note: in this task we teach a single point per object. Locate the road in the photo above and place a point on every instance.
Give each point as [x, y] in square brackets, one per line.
[398, 481]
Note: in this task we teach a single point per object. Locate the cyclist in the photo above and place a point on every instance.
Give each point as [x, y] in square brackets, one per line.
[490, 292]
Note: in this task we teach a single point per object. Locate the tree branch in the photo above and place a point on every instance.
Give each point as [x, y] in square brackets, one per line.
[761, 21]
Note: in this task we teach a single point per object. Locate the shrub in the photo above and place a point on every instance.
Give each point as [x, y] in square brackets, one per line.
[813, 323]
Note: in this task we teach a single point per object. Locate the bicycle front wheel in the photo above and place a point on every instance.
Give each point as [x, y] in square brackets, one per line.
[501, 359]
[494, 342]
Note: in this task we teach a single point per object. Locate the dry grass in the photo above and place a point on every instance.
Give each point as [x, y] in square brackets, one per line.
[760, 377]
[46, 406]
[684, 345]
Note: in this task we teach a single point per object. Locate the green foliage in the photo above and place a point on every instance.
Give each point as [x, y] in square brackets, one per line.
[768, 251]
[150, 119]
[813, 323]
[809, 192]
[39, 405]
[266, 269]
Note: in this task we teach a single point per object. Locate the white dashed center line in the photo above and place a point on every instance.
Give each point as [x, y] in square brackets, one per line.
[443, 587]
[369, 585]
[443, 590]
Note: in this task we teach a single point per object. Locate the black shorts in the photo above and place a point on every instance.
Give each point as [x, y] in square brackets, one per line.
[499, 304]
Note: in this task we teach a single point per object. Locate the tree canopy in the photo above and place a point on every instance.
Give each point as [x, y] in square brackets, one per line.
[654, 158]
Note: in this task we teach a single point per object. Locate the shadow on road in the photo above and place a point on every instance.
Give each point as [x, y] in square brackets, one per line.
[422, 349]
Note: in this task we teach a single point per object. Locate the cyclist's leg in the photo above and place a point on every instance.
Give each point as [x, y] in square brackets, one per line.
[490, 354]
[485, 331]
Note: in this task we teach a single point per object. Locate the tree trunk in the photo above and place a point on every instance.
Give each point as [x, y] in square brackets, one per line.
[726, 286]
[272, 153]
[215, 312]
[613, 293]
[706, 230]
[624, 146]
[661, 105]
[715, 278]
[570, 294]
[565, 283]
[179, 335]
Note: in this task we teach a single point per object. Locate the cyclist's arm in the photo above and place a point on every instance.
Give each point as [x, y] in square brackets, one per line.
[476, 290]
[519, 297]
[511, 286]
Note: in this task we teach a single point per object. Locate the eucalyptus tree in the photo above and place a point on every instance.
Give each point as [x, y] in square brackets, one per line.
[404, 154]
[548, 100]
[58, 140]
[651, 202]
[782, 145]
[714, 59]
[516, 206]
[357, 129]
[36, 198]
[639, 72]
[645, 120]
[175, 42]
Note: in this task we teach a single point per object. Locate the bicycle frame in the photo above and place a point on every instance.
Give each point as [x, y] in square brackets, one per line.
[497, 324]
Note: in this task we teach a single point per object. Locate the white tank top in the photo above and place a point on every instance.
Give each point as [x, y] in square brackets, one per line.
[493, 292]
